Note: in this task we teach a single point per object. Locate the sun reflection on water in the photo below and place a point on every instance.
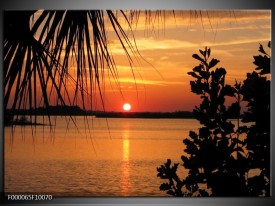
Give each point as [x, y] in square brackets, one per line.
[126, 145]
[125, 167]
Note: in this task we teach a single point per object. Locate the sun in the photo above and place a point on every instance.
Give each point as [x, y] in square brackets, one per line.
[127, 107]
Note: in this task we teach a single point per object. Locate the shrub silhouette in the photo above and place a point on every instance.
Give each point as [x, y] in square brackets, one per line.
[256, 91]
[222, 153]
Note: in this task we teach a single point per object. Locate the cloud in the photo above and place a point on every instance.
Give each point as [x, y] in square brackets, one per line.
[148, 82]
[243, 40]
[155, 21]
[235, 28]
[151, 44]
[164, 58]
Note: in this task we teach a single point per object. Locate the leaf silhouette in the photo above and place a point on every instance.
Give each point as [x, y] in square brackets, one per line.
[262, 63]
[261, 49]
[195, 56]
[213, 63]
[208, 52]
[193, 74]
[165, 186]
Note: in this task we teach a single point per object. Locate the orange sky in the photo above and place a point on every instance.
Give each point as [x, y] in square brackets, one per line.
[160, 81]
[233, 37]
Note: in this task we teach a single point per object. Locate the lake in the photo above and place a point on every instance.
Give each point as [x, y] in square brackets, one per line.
[94, 156]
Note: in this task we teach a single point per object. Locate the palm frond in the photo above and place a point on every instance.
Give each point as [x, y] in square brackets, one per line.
[37, 62]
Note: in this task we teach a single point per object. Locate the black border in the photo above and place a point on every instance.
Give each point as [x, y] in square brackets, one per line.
[135, 4]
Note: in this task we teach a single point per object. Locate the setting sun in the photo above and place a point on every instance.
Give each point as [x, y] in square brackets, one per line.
[127, 107]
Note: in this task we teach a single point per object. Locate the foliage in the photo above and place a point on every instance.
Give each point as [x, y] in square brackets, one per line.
[222, 153]
[256, 91]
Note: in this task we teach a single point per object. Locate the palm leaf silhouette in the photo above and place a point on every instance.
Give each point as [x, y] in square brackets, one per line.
[37, 52]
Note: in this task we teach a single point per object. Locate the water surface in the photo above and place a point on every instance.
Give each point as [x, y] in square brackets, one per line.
[98, 157]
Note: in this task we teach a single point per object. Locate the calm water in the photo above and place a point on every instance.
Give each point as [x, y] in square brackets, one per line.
[101, 157]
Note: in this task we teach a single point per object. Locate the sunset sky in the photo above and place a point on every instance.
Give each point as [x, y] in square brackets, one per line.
[158, 80]
[163, 85]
